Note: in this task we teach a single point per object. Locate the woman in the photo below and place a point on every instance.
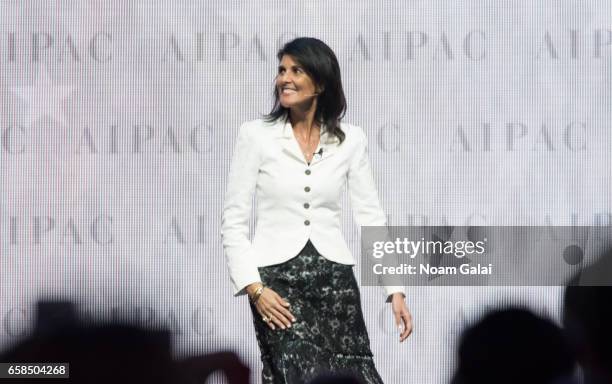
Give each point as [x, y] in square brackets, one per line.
[297, 271]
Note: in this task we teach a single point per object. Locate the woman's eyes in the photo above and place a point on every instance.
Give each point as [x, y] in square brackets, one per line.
[296, 70]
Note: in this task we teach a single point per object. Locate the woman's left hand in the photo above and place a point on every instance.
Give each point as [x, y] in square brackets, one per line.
[402, 315]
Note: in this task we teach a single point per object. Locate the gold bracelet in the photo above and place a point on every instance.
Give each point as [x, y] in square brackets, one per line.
[257, 294]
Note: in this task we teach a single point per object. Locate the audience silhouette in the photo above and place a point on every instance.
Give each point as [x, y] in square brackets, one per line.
[587, 318]
[514, 346]
[509, 345]
[114, 353]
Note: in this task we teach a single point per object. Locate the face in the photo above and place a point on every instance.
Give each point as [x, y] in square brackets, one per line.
[295, 87]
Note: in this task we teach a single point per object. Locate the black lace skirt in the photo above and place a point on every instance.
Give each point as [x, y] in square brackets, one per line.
[329, 334]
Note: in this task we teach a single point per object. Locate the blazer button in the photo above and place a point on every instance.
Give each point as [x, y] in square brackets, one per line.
[307, 171]
[307, 189]
[306, 205]
[307, 222]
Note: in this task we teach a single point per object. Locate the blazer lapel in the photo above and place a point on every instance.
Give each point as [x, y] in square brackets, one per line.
[288, 142]
[329, 146]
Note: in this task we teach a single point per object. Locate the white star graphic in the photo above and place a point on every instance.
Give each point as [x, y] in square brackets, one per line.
[44, 98]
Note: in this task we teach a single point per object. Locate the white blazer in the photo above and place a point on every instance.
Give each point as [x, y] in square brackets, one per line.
[295, 201]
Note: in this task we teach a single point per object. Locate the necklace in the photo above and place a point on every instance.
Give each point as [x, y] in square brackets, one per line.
[307, 148]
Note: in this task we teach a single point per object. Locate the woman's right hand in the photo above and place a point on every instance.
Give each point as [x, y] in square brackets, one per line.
[271, 306]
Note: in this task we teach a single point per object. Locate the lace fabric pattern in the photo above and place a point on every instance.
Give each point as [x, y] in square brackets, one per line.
[329, 335]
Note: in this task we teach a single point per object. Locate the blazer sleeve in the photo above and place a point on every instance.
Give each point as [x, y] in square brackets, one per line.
[365, 203]
[237, 209]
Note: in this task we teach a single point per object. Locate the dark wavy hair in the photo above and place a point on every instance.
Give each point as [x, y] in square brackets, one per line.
[321, 64]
